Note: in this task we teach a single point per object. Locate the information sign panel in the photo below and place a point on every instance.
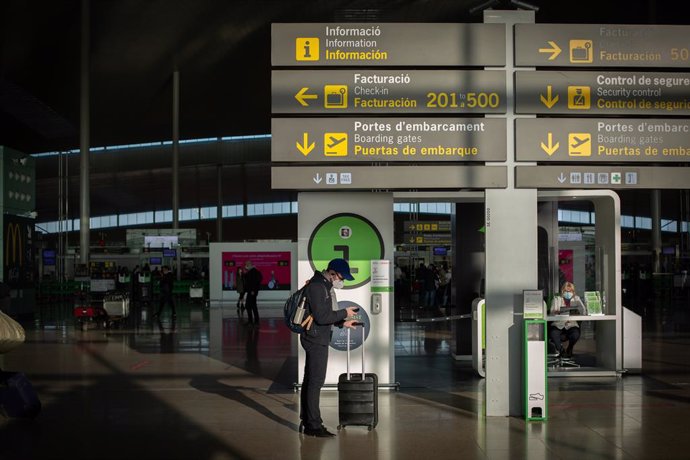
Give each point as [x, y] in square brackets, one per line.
[326, 178]
[606, 177]
[388, 44]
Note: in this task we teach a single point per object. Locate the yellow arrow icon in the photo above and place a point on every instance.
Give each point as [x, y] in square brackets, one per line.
[550, 148]
[555, 50]
[548, 101]
[302, 96]
[305, 147]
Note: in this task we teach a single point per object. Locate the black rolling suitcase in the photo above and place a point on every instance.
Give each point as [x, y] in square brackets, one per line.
[358, 395]
[18, 399]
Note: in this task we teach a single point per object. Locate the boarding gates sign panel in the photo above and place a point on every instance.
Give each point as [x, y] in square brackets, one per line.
[603, 140]
[368, 140]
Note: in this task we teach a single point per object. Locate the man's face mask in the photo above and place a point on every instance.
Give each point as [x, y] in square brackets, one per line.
[337, 282]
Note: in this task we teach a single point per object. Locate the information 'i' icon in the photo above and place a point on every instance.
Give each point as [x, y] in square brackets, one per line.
[307, 49]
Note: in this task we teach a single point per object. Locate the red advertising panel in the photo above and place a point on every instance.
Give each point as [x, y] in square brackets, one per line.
[565, 263]
[273, 265]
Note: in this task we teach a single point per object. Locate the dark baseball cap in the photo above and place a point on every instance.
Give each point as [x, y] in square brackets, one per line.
[341, 266]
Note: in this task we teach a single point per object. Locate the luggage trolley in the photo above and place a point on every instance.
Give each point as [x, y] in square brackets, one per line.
[196, 291]
[145, 288]
[116, 306]
[86, 313]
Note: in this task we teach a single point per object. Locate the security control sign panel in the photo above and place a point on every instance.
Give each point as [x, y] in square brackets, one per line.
[368, 140]
[591, 45]
[327, 178]
[387, 91]
[606, 177]
[609, 140]
[603, 93]
[368, 44]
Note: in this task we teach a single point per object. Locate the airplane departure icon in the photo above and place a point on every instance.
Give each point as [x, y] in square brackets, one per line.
[335, 144]
[579, 144]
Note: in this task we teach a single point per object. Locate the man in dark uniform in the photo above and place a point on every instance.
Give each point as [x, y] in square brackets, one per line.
[252, 284]
[166, 291]
[323, 306]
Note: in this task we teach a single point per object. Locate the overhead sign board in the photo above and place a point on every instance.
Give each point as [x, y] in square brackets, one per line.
[387, 91]
[602, 93]
[368, 140]
[607, 177]
[609, 140]
[325, 178]
[426, 226]
[604, 45]
[428, 238]
[370, 44]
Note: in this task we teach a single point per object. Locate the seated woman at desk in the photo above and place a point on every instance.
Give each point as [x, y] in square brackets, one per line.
[567, 302]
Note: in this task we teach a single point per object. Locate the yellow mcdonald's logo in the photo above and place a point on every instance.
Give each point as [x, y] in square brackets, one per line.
[13, 234]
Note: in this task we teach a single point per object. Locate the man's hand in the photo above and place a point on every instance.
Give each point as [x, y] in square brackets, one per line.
[352, 311]
[352, 324]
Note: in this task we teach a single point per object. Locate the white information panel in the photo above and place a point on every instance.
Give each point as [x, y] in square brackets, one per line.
[533, 304]
[357, 227]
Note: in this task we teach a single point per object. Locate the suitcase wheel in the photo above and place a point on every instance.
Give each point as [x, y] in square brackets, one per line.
[339, 427]
[371, 427]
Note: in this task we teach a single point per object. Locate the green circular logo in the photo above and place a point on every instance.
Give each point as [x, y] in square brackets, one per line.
[348, 236]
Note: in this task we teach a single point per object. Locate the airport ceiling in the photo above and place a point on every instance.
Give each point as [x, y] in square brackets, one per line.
[222, 51]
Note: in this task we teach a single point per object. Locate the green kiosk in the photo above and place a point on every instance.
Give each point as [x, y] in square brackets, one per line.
[534, 372]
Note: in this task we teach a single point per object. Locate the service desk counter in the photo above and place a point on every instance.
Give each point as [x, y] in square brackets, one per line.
[598, 356]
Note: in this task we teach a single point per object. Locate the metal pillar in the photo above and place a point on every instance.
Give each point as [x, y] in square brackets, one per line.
[656, 229]
[511, 258]
[84, 138]
[176, 151]
[219, 204]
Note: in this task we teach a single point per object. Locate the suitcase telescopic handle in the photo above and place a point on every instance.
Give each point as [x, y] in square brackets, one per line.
[348, 349]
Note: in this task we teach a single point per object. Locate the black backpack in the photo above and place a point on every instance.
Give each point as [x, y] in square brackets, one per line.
[296, 312]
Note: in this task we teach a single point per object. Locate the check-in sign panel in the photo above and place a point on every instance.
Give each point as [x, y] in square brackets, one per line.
[603, 140]
[602, 93]
[602, 45]
[368, 140]
[346, 92]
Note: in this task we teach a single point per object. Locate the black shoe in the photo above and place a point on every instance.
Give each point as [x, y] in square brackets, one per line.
[319, 432]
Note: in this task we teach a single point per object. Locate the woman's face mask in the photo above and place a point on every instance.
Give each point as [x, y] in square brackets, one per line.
[567, 295]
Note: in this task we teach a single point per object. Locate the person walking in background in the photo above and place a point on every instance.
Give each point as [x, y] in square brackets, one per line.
[239, 287]
[252, 284]
[166, 292]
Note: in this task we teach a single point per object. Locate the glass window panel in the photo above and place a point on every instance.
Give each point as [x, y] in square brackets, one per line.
[643, 222]
[669, 225]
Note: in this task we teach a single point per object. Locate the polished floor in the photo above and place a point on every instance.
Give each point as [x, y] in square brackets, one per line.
[209, 387]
